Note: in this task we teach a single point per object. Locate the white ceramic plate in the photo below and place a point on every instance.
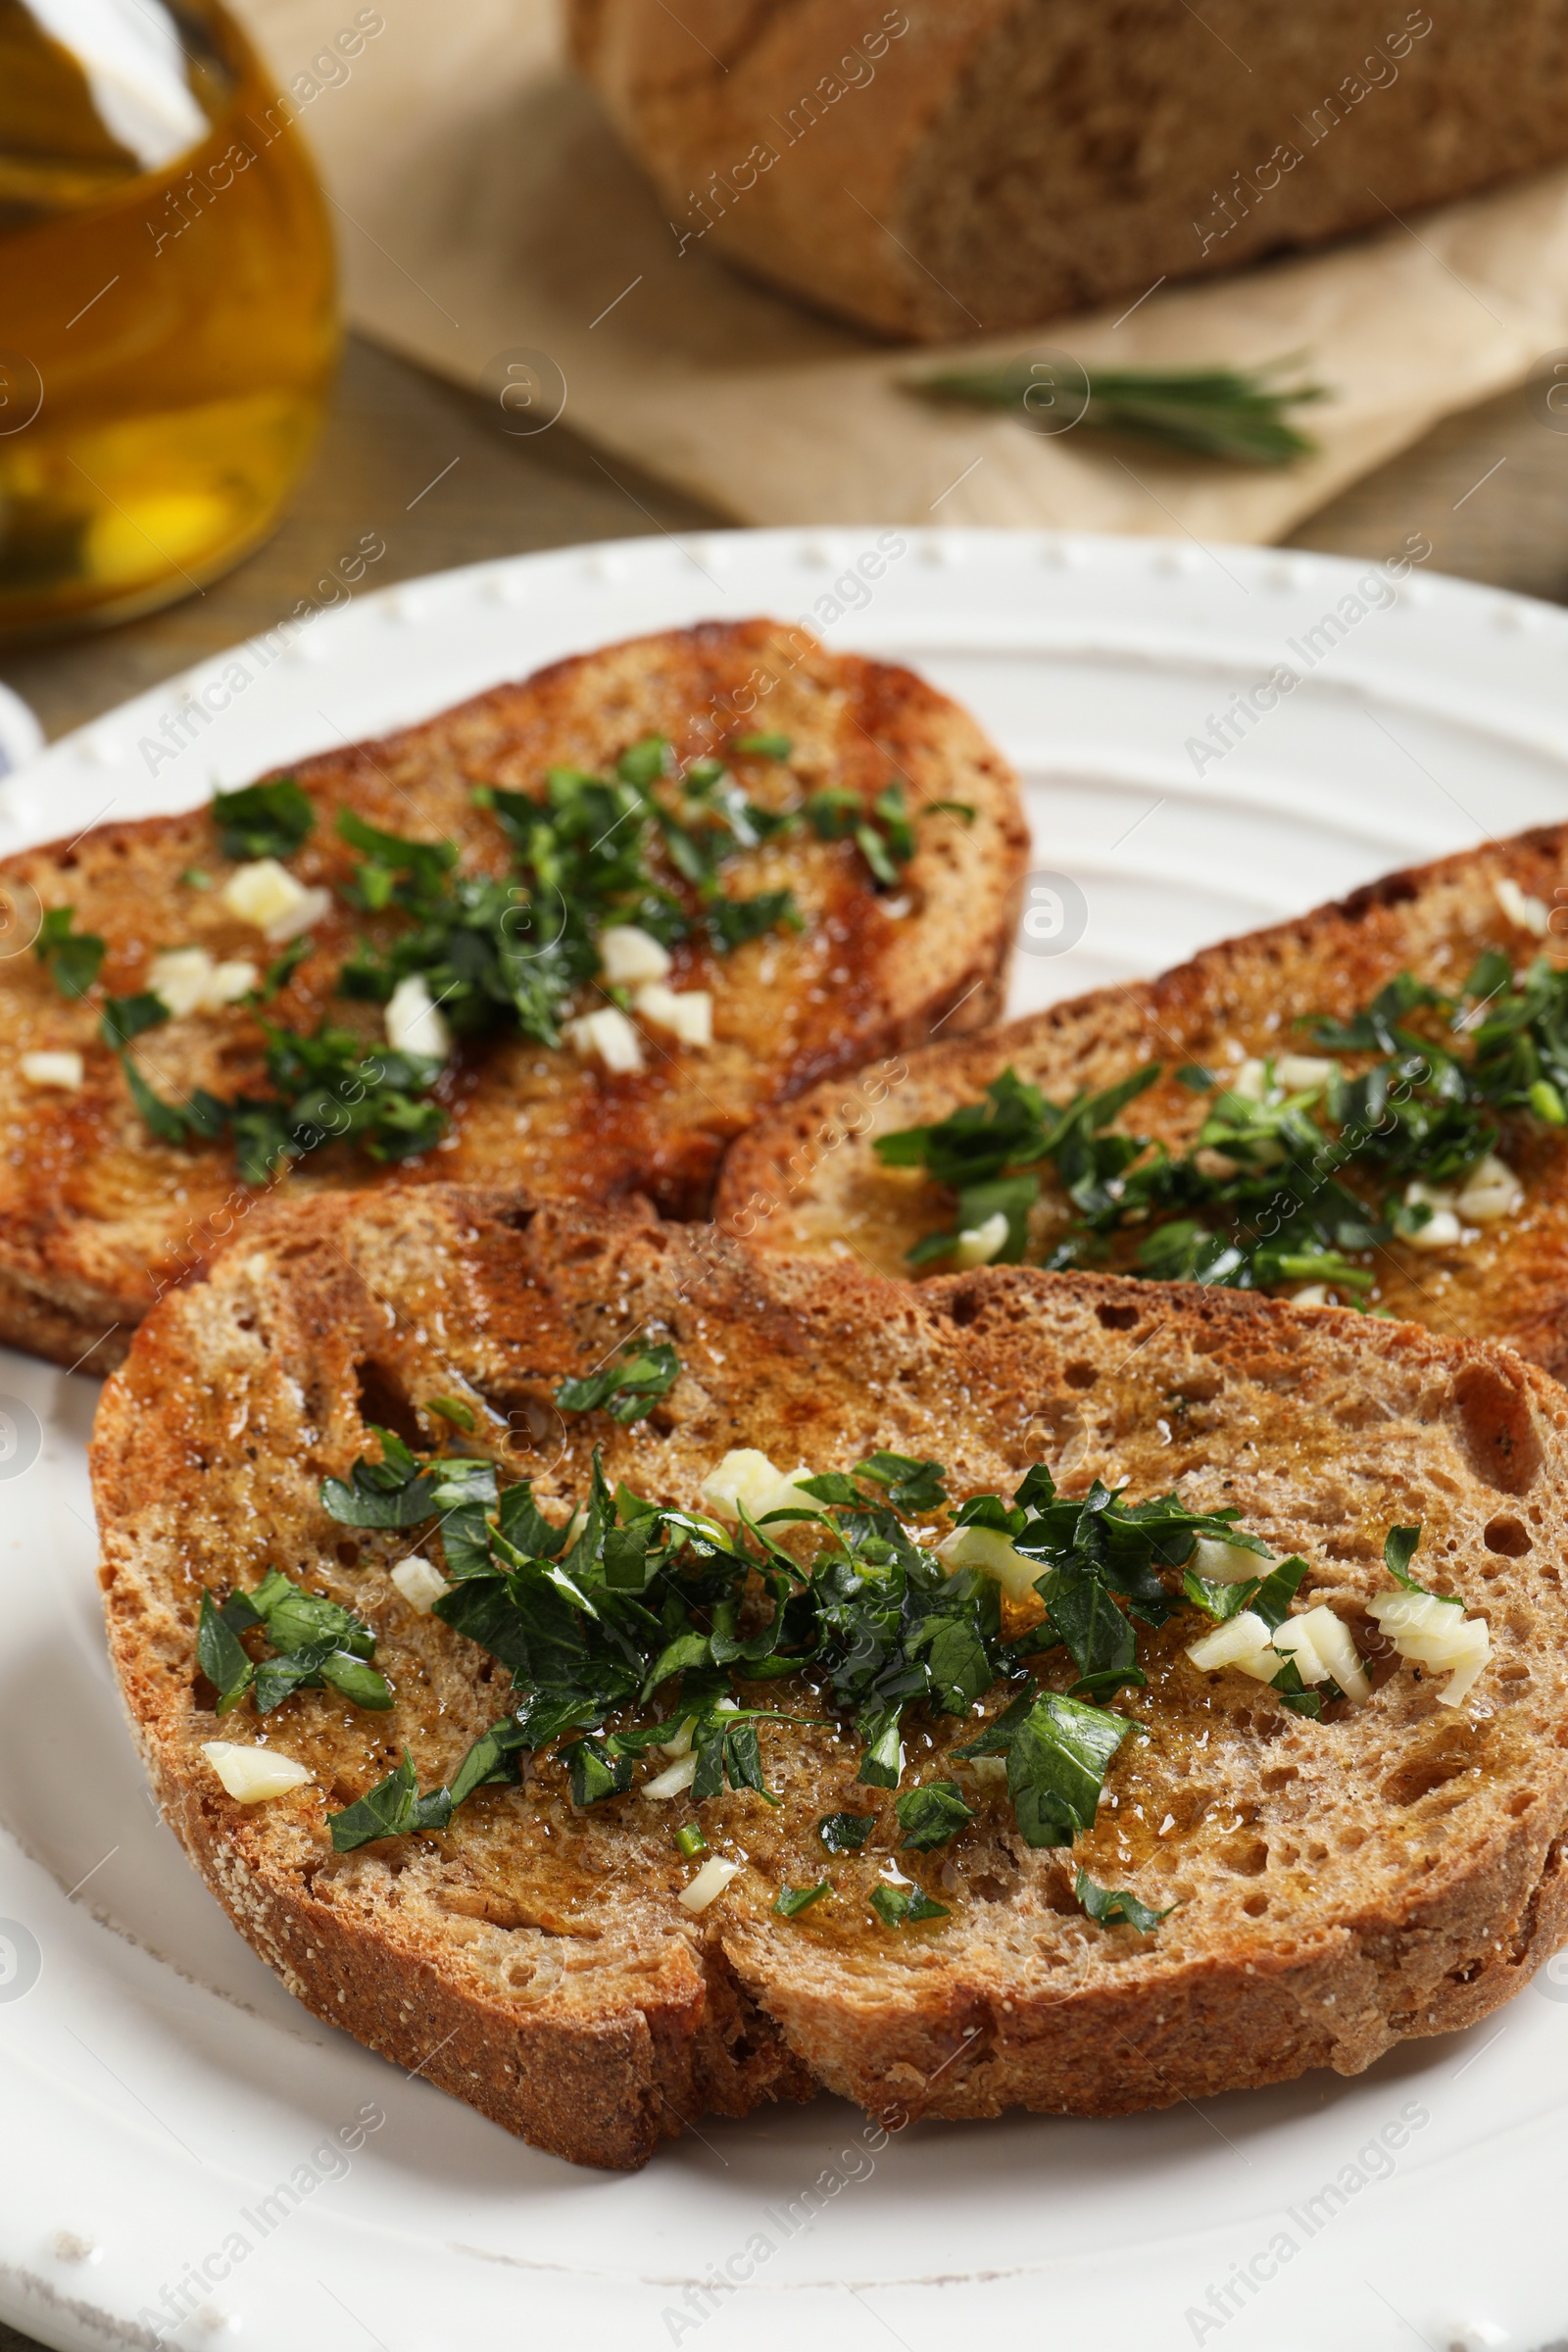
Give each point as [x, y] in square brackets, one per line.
[157, 2088]
[20, 736]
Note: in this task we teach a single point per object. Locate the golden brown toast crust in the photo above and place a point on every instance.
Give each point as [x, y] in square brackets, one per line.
[1340, 1884]
[96, 1217]
[806, 1179]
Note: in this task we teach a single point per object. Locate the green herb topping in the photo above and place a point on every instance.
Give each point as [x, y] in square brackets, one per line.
[931, 1815]
[628, 1389]
[317, 1643]
[1286, 1184]
[905, 1906]
[884, 837]
[649, 845]
[394, 1808]
[1399, 1548]
[1120, 1909]
[330, 1090]
[453, 1410]
[403, 1491]
[653, 844]
[792, 1900]
[844, 1832]
[636, 1622]
[71, 957]
[264, 820]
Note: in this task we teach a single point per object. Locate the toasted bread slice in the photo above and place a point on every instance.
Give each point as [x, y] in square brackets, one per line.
[1339, 1884]
[809, 1180]
[97, 1216]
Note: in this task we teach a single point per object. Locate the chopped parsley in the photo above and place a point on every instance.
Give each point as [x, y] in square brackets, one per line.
[844, 1832]
[1303, 1186]
[317, 1644]
[453, 1409]
[70, 958]
[647, 845]
[651, 843]
[403, 1491]
[905, 1906]
[792, 1900]
[884, 833]
[125, 1017]
[931, 1815]
[330, 1089]
[280, 971]
[1399, 1548]
[597, 1770]
[394, 1808]
[1059, 1750]
[628, 1389]
[884, 837]
[264, 820]
[635, 1621]
[912, 1486]
[1119, 1909]
[199, 1114]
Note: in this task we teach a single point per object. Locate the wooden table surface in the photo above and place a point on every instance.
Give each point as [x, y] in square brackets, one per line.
[1490, 489]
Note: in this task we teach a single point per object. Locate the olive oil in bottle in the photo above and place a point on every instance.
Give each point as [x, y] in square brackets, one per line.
[168, 325]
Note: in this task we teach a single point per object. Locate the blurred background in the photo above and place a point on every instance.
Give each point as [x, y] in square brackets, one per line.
[303, 299]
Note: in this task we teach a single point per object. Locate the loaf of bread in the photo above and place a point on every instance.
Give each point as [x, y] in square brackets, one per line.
[946, 168]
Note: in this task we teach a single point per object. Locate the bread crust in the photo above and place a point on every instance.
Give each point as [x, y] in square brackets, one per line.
[807, 1180]
[97, 1218]
[1340, 1885]
[952, 166]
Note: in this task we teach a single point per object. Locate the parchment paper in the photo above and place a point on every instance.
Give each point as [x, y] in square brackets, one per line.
[486, 208]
